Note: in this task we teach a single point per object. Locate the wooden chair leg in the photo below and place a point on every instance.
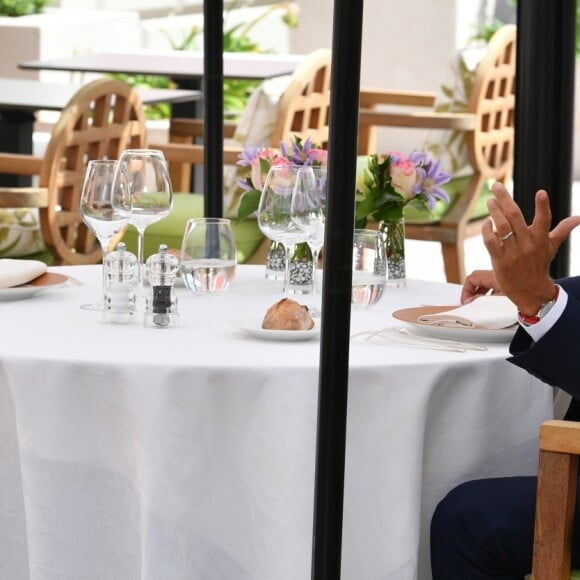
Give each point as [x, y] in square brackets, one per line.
[454, 262]
[555, 504]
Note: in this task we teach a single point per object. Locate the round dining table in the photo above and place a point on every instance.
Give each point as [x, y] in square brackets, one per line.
[136, 453]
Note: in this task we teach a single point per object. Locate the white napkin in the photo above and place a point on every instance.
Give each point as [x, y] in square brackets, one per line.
[16, 272]
[491, 312]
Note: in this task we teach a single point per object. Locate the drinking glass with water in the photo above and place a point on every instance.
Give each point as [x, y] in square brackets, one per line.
[208, 255]
[369, 268]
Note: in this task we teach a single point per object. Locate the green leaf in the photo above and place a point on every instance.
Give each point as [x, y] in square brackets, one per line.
[248, 203]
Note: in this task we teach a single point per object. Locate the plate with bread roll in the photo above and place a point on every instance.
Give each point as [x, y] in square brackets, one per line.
[286, 320]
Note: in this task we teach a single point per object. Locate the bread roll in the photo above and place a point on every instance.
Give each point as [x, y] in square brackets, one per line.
[288, 315]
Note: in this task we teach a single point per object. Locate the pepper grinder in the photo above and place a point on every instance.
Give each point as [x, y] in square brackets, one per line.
[161, 302]
[120, 271]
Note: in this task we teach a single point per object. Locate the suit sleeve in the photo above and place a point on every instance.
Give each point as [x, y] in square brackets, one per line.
[555, 358]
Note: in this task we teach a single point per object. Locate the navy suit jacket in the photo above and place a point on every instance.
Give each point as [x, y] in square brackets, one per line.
[555, 358]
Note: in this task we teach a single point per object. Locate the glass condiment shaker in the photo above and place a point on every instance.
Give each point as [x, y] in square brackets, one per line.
[120, 272]
[161, 302]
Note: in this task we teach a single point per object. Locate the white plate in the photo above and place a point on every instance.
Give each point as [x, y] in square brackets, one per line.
[476, 334]
[44, 282]
[253, 327]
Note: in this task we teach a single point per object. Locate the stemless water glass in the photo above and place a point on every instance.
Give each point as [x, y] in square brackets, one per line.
[369, 267]
[274, 211]
[308, 213]
[105, 204]
[208, 255]
[151, 193]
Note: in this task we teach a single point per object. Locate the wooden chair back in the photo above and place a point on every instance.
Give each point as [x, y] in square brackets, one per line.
[304, 106]
[556, 500]
[101, 120]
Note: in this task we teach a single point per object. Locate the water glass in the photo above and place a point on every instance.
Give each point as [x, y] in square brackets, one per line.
[369, 268]
[208, 255]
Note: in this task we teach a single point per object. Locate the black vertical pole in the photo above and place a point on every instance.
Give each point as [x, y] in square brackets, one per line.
[544, 121]
[334, 348]
[213, 94]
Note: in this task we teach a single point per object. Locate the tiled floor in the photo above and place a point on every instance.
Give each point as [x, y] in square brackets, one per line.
[424, 259]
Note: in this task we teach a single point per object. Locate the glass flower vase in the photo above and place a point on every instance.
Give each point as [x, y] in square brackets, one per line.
[394, 236]
[276, 261]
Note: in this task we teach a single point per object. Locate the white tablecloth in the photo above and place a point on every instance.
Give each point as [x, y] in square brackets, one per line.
[132, 453]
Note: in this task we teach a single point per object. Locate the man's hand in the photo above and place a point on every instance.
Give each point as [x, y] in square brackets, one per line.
[521, 259]
[478, 283]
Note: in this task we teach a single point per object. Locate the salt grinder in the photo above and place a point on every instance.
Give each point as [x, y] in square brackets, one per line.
[161, 303]
[120, 273]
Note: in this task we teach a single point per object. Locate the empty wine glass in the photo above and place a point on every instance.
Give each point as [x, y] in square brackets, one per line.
[308, 213]
[151, 193]
[208, 255]
[274, 211]
[105, 205]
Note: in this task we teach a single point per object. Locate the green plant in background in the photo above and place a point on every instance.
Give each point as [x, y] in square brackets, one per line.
[236, 39]
[487, 31]
[21, 7]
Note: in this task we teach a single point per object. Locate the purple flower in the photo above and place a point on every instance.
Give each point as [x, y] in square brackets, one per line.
[432, 178]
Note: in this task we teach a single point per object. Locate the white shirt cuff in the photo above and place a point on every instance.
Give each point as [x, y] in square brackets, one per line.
[536, 331]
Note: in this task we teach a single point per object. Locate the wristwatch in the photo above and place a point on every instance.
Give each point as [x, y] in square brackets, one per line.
[544, 309]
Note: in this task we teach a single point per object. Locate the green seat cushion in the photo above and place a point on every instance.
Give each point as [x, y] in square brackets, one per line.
[45, 256]
[454, 189]
[575, 575]
[170, 230]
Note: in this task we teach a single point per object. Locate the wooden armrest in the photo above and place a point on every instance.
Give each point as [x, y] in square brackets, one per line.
[193, 128]
[17, 164]
[431, 120]
[23, 197]
[556, 499]
[560, 437]
[193, 154]
[371, 97]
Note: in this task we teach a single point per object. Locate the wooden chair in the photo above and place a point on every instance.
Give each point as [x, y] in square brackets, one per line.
[101, 120]
[556, 500]
[488, 126]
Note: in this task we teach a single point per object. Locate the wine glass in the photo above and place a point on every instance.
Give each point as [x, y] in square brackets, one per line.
[274, 211]
[151, 193]
[105, 205]
[208, 255]
[308, 210]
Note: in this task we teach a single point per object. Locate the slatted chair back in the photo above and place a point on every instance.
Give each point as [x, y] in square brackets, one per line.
[102, 119]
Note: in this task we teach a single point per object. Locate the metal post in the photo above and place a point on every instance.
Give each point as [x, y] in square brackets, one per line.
[336, 292]
[213, 94]
[544, 110]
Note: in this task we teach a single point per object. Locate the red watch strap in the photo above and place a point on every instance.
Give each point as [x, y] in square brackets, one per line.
[535, 319]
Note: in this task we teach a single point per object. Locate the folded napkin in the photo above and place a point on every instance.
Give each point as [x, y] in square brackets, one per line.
[16, 272]
[492, 312]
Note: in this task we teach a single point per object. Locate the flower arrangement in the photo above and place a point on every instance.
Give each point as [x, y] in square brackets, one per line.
[259, 160]
[394, 180]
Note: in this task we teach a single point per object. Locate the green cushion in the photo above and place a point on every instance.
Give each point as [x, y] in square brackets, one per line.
[575, 575]
[454, 188]
[45, 256]
[170, 230]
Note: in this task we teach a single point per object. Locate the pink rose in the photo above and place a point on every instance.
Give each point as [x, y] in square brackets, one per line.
[319, 156]
[403, 175]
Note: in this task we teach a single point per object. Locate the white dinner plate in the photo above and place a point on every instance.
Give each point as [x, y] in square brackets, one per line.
[44, 282]
[475, 334]
[253, 328]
